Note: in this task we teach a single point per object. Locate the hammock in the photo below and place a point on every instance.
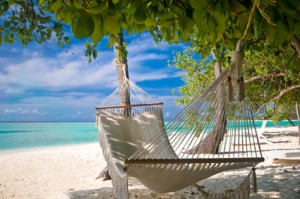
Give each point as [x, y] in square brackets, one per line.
[165, 158]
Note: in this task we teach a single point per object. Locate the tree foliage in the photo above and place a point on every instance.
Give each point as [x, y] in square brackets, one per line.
[216, 20]
[27, 22]
[271, 75]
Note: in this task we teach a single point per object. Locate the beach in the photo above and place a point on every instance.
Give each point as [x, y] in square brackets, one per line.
[71, 172]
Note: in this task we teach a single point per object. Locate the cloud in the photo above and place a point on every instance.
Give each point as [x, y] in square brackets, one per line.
[13, 91]
[37, 69]
[76, 106]
[56, 72]
[58, 84]
[21, 110]
[167, 114]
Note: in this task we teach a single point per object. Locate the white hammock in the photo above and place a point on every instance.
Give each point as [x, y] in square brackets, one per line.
[169, 158]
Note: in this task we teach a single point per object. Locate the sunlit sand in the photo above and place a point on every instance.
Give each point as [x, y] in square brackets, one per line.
[71, 171]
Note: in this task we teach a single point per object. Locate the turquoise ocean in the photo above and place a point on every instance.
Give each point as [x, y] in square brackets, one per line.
[26, 135]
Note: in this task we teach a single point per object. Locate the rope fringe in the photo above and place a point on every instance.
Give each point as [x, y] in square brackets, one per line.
[230, 89]
[254, 181]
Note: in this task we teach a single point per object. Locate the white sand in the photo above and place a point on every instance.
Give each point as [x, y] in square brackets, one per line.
[70, 172]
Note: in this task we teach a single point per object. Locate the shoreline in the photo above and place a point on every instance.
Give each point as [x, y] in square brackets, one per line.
[69, 171]
[28, 149]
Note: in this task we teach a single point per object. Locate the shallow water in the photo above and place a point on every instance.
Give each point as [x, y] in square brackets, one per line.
[19, 135]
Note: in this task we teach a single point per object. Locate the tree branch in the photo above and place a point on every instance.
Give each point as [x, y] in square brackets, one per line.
[251, 79]
[277, 97]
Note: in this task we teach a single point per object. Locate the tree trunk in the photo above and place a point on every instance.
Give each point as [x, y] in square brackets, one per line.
[122, 70]
[291, 122]
[211, 143]
[298, 117]
[123, 75]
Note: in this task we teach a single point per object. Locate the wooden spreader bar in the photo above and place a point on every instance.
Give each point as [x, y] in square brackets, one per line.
[128, 106]
[193, 161]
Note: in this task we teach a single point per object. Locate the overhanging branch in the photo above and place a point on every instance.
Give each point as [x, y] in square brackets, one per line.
[281, 93]
[251, 79]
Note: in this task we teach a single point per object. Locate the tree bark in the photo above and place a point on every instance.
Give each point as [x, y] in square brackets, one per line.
[124, 90]
[262, 77]
[122, 70]
[211, 143]
[290, 121]
[296, 43]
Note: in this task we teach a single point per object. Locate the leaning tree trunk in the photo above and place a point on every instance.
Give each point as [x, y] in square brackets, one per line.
[211, 143]
[123, 75]
[290, 121]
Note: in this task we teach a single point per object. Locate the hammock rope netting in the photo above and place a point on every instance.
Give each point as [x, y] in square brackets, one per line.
[214, 133]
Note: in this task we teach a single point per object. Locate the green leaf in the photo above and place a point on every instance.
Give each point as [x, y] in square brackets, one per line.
[242, 20]
[236, 6]
[110, 24]
[150, 22]
[57, 27]
[67, 40]
[270, 34]
[198, 4]
[273, 14]
[98, 31]
[83, 26]
[199, 14]
[282, 32]
[297, 29]
[140, 15]
[187, 25]
[10, 2]
[175, 38]
[87, 44]
[94, 53]
[291, 24]
[120, 48]
[287, 7]
[0, 38]
[6, 24]
[219, 18]
[257, 23]
[56, 5]
[69, 14]
[210, 24]
[100, 8]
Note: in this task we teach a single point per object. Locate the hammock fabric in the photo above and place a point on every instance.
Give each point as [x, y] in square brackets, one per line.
[165, 158]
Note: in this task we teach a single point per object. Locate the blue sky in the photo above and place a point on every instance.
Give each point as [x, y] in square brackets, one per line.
[49, 83]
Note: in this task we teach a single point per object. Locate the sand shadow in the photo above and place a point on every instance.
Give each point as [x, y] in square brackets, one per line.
[103, 193]
[108, 193]
[138, 191]
[271, 135]
[270, 183]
